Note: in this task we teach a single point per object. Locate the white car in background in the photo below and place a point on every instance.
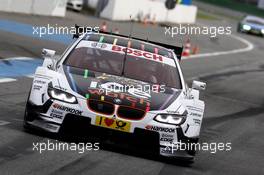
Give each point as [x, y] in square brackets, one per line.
[252, 24]
[76, 5]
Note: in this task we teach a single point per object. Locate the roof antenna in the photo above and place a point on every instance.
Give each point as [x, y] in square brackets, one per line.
[147, 36]
[182, 42]
[131, 27]
[129, 38]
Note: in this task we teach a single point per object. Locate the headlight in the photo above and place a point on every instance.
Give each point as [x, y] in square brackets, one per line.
[246, 27]
[172, 119]
[262, 31]
[61, 96]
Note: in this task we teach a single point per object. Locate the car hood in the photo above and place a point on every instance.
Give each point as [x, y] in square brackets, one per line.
[119, 90]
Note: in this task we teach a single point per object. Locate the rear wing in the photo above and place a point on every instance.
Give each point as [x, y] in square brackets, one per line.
[176, 49]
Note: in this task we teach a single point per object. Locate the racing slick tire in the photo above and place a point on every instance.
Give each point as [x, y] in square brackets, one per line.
[25, 124]
[27, 116]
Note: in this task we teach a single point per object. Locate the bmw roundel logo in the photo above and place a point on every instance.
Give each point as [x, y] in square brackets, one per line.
[117, 101]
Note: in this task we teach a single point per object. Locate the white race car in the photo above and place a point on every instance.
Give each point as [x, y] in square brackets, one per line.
[108, 83]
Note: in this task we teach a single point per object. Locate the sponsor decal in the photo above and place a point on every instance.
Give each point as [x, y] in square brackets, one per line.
[172, 112]
[160, 129]
[138, 53]
[166, 137]
[166, 140]
[197, 121]
[67, 109]
[192, 108]
[130, 51]
[113, 123]
[166, 150]
[61, 88]
[37, 87]
[53, 115]
[195, 114]
[56, 114]
[39, 82]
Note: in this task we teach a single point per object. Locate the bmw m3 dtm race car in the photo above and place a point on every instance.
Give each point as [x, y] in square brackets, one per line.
[120, 84]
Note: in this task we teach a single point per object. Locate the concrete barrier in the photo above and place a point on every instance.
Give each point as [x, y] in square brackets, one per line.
[121, 10]
[182, 14]
[38, 7]
[49, 7]
[91, 3]
[19, 6]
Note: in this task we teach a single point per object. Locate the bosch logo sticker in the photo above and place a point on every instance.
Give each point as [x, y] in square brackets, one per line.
[138, 53]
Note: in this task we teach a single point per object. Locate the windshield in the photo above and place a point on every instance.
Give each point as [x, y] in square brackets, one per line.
[104, 58]
[254, 22]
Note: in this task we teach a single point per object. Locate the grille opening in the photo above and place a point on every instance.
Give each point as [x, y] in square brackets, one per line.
[101, 107]
[130, 113]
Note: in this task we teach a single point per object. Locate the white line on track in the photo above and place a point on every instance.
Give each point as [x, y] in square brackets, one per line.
[7, 80]
[249, 47]
[18, 119]
[19, 58]
[2, 123]
[30, 76]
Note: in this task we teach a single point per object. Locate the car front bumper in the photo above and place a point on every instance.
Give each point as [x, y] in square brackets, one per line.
[80, 125]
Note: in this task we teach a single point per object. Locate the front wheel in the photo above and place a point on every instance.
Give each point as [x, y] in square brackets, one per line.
[26, 114]
[26, 118]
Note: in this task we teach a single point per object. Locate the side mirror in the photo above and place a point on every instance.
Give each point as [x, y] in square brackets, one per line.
[47, 53]
[198, 85]
[49, 58]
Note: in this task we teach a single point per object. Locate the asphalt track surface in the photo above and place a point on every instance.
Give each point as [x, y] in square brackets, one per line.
[234, 113]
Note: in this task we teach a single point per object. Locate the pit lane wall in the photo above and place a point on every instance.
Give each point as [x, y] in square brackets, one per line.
[121, 10]
[37, 7]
